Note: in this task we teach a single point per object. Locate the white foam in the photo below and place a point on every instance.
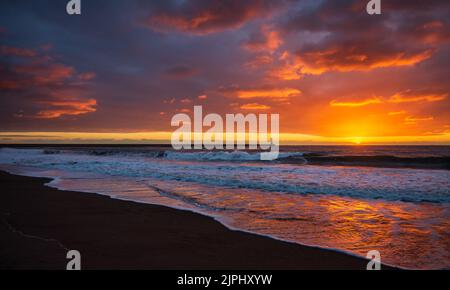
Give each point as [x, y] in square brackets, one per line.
[222, 155]
[411, 185]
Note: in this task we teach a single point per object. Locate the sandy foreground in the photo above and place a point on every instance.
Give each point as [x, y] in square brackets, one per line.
[39, 224]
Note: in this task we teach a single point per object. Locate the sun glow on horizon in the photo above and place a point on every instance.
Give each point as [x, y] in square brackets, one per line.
[163, 137]
[357, 141]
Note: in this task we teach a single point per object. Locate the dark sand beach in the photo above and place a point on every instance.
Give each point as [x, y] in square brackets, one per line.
[39, 223]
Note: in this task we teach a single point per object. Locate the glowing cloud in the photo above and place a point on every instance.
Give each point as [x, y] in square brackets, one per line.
[344, 60]
[366, 102]
[266, 40]
[415, 120]
[396, 113]
[71, 107]
[407, 97]
[255, 106]
[258, 61]
[54, 89]
[284, 93]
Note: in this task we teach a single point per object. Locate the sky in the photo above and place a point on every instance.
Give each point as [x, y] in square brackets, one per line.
[120, 71]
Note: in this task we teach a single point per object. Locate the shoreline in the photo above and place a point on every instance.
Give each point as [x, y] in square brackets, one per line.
[39, 223]
[307, 158]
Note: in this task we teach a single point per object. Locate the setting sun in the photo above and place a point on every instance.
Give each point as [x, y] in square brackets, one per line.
[357, 141]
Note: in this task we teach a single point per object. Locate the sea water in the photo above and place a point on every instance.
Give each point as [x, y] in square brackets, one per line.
[402, 212]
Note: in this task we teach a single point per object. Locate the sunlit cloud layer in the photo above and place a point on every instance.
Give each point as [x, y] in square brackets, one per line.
[333, 72]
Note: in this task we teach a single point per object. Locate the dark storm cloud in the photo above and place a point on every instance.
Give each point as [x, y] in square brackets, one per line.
[180, 71]
[208, 16]
[405, 34]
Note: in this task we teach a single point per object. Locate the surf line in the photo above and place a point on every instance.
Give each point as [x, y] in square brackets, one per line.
[191, 136]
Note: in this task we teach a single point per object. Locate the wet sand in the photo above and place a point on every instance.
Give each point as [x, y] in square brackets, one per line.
[39, 224]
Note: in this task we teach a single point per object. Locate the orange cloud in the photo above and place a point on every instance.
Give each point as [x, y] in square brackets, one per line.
[259, 61]
[39, 75]
[206, 17]
[396, 113]
[286, 72]
[404, 97]
[433, 32]
[186, 101]
[289, 69]
[402, 59]
[407, 97]
[361, 103]
[266, 40]
[415, 120]
[342, 59]
[317, 63]
[163, 22]
[255, 106]
[71, 107]
[283, 93]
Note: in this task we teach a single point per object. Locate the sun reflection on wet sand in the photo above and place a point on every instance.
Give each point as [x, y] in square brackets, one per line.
[410, 235]
[406, 234]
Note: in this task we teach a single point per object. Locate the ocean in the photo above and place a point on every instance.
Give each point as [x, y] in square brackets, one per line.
[394, 199]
